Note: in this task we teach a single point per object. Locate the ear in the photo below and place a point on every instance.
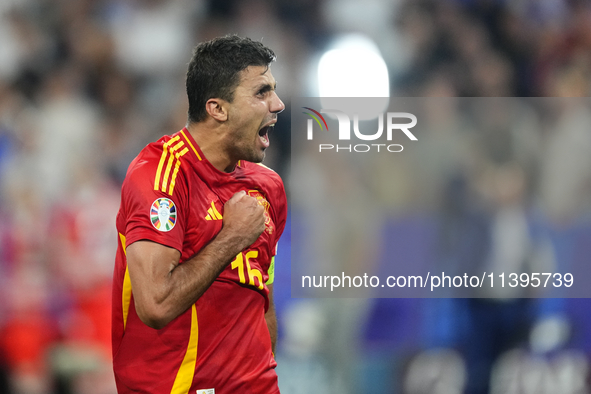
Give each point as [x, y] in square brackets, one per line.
[217, 109]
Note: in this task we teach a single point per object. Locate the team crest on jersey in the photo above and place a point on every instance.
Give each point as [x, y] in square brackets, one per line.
[163, 214]
[269, 226]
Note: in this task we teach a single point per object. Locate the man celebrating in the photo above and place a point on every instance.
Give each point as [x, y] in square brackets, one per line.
[198, 228]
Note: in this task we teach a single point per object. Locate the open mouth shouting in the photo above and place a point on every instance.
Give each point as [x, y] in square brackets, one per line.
[264, 134]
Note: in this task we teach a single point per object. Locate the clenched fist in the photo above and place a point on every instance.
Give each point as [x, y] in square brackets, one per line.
[244, 217]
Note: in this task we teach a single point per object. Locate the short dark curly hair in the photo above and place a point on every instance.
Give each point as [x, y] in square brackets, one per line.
[214, 70]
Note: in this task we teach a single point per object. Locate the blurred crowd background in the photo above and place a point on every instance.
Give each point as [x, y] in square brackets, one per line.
[493, 184]
[85, 84]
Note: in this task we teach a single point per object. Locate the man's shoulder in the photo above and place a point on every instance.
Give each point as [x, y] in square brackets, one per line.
[260, 169]
[160, 163]
[263, 174]
[150, 154]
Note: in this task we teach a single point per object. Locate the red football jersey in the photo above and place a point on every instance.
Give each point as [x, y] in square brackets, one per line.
[174, 196]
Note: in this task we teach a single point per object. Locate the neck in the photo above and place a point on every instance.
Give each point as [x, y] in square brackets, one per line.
[209, 136]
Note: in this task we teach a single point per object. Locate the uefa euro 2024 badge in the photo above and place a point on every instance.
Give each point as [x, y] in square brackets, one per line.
[163, 214]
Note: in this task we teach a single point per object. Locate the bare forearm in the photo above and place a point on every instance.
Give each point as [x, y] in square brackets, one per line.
[184, 283]
[188, 281]
[163, 289]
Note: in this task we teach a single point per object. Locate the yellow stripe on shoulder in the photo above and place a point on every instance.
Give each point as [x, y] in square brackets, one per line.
[162, 160]
[176, 169]
[171, 158]
[190, 144]
[169, 165]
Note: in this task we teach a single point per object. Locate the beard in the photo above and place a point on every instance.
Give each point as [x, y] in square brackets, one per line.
[243, 150]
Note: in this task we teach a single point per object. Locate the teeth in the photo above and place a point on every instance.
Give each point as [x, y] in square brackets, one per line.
[263, 133]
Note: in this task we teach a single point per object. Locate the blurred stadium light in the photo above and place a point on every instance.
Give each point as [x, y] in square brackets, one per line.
[353, 67]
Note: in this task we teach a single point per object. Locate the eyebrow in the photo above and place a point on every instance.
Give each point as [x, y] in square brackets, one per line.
[264, 88]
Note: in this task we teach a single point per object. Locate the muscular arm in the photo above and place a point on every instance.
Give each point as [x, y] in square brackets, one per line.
[271, 319]
[163, 289]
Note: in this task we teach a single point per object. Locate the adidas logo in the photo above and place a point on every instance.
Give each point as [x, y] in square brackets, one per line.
[213, 213]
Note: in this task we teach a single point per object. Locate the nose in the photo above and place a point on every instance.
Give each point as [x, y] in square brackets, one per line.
[277, 105]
